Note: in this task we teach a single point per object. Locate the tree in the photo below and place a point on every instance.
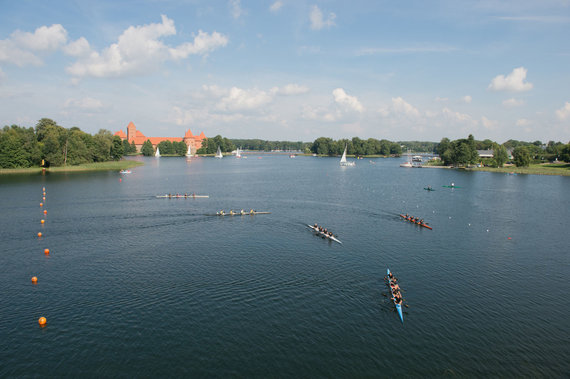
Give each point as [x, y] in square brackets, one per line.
[180, 148]
[117, 150]
[166, 147]
[322, 146]
[565, 153]
[521, 156]
[147, 149]
[500, 155]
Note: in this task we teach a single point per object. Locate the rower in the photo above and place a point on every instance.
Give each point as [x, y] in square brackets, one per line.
[242, 212]
[251, 211]
[185, 194]
[422, 221]
[452, 184]
[193, 194]
[316, 226]
[231, 211]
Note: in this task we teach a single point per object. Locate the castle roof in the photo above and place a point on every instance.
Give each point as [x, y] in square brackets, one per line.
[121, 134]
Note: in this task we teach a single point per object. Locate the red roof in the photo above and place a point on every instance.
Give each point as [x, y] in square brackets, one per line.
[121, 134]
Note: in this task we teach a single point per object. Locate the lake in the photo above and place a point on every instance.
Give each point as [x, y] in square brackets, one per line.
[136, 285]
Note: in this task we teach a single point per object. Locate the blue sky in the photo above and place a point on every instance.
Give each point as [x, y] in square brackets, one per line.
[291, 70]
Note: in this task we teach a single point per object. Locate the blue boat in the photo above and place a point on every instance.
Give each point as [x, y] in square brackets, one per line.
[398, 306]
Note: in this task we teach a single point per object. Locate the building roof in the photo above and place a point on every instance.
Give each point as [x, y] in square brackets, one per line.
[121, 134]
[485, 153]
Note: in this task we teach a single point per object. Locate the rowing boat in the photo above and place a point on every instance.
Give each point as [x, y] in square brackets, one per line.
[398, 306]
[429, 189]
[414, 222]
[181, 196]
[318, 232]
[241, 214]
[451, 187]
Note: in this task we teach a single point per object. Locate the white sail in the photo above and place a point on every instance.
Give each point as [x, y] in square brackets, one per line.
[189, 152]
[157, 154]
[219, 153]
[238, 153]
[343, 161]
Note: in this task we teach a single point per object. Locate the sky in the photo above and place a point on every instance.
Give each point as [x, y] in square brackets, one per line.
[291, 70]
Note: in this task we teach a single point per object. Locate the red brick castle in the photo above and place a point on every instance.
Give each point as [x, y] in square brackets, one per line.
[194, 142]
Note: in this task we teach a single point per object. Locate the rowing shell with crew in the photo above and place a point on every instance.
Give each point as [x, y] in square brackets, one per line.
[179, 196]
[240, 213]
[416, 220]
[324, 233]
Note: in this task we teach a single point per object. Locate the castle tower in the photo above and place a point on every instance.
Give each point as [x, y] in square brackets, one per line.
[131, 132]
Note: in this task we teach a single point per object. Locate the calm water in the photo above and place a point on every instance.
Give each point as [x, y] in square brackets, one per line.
[136, 285]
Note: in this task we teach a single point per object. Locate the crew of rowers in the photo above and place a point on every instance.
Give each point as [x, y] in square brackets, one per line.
[416, 220]
[193, 194]
[397, 295]
[322, 230]
[231, 213]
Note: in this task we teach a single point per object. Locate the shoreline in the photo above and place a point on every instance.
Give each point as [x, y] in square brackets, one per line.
[88, 167]
[535, 169]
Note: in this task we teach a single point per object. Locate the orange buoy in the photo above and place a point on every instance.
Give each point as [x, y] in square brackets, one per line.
[44, 198]
[43, 221]
[42, 321]
[44, 193]
[34, 279]
[41, 204]
[43, 189]
[39, 234]
[45, 212]
[46, 251]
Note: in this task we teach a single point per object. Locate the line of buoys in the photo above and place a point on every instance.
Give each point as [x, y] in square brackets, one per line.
[42, 320]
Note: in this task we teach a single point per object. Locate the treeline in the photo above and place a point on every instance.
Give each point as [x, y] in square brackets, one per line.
[463, 152]
[55, 145]
[261, 145]
[210, 145]
[165, 147]
[419, 146]
[355, 146]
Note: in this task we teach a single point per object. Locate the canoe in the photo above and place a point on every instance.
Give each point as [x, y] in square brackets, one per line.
[451, 187]
[417, 223]
[398, 306]
[429, 189]
[332, 238]
[181, 196]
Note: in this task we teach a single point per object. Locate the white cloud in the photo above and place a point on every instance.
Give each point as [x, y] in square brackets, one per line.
[441, 99]
[514, 82]
[400, 107]
[317, 20]
[235, 6]
[457, 116]
[320, 113]
[292, 89]
[351, 102]
[512, 103]
[78, 48]
[240, 99]
[87, 103]
[564, 112]
[140, 49]
[405, 50]
[20, 47]
[522, 122]
[489, 124]
[276, 6]
[467, 99]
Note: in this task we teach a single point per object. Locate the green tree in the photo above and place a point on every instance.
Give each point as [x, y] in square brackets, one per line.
[565, 153]
[500, 155]
[180, 148]
[521, 156]
[322, 146]
[166, 147]
[12, 152]
[147, 150]
[117, 150]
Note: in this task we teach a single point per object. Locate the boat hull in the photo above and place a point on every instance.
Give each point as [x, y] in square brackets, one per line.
[332, 238]
[417, 223]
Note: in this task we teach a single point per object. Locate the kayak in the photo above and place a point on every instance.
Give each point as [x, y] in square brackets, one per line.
[240, 214]
[332, 238]
[429, 189]
[451, 187]
[414, 222]
[398, 306]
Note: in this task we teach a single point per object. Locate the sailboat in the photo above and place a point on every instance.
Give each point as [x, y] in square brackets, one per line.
[219, 153]
[343, 161]
[409, 162]
[157, 154]
[189, 152]
[238, 153]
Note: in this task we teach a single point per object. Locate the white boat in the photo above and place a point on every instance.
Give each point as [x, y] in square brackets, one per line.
[409, 162]
[189, 152]
[238, 153]
[343, 161]
[125, 172]
[323, 235]
[219, 153]
[416, 158]
[157, 154]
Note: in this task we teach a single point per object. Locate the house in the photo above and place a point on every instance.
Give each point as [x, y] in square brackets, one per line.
[136, 136]
[485, 153]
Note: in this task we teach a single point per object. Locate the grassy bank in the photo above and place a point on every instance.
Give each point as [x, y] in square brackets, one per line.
[102, 166]
[533, 169]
